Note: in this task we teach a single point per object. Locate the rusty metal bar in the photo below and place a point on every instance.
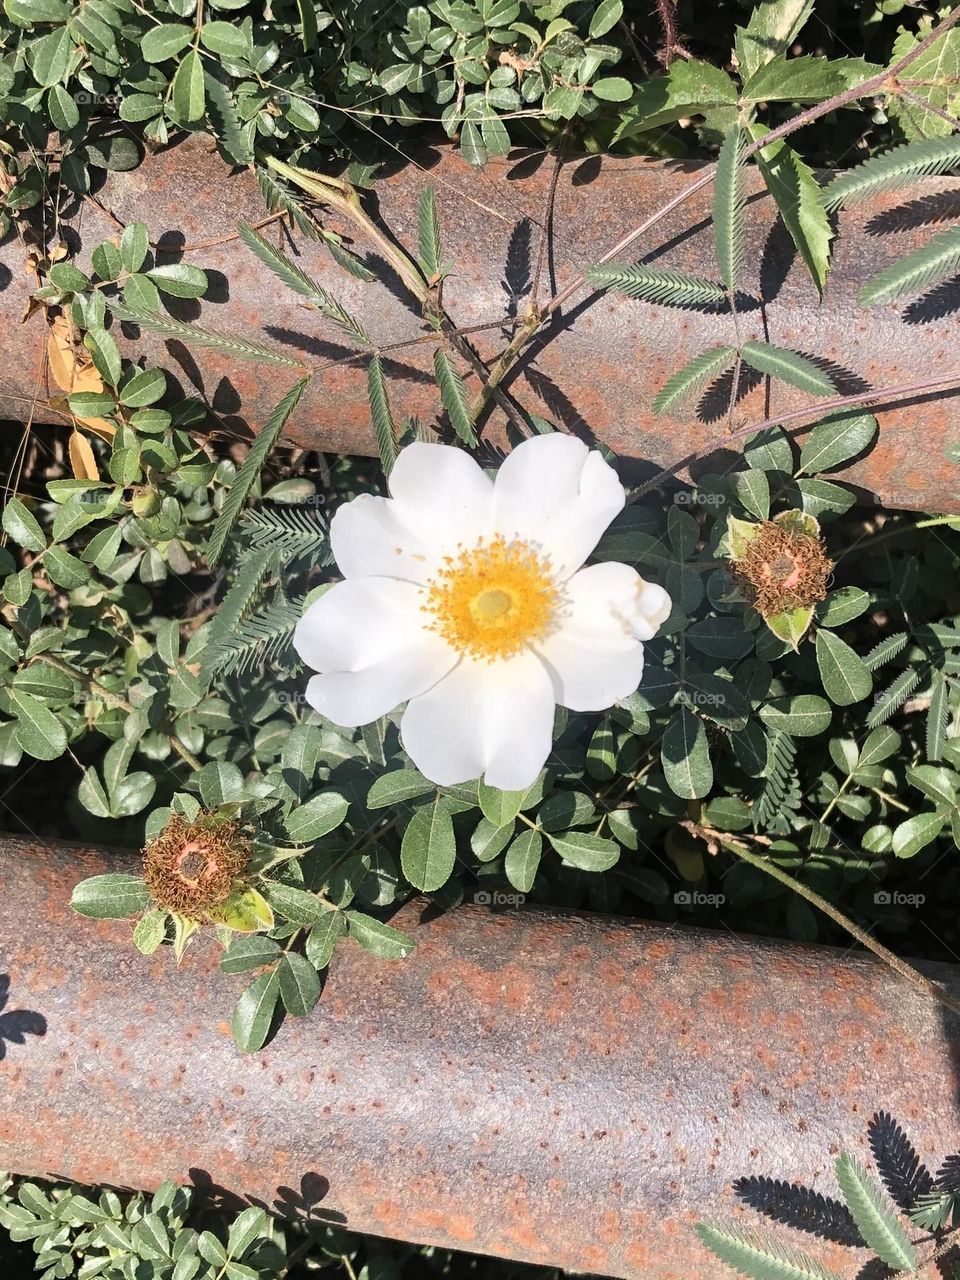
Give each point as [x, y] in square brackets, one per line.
[563, 1089]
[606, 356]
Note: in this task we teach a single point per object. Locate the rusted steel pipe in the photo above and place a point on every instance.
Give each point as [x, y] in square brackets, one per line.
[563, 1089]
[607, 357]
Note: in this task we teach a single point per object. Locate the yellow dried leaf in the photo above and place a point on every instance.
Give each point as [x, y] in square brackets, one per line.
[72, 370]
[82, 458]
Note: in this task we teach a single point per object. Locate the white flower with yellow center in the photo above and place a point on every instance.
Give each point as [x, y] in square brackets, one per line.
[465, 598]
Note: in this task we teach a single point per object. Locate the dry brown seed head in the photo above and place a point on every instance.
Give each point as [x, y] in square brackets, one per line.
[192, 867]
[782, 569]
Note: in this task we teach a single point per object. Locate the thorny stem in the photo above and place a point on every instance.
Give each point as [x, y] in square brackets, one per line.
[736, 845]
[899, 392]
[886, 81]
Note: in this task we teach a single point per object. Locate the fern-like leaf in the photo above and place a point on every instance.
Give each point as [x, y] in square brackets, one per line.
[777, 782]
[250, 470]
[231, 343]
[431, 249]
[295, 278]
[293, 531]
[245, 588]
[728, 214]
[893, 697]
[934, 1210]
[262, 640]
[897, 1162]
[788, 366]
[453, 396]
[278, 198]
[896, 168]
[876, 1219]
[886, 650]
[801, 1207]
[760, 1256]
[383, 423]
[686, 382]
[922, 269]
[668, 288]
[937, 718]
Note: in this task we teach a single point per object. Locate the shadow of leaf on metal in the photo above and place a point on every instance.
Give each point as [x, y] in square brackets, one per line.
[17, 1024]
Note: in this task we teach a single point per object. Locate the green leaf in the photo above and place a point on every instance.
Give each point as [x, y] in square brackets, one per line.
[113, 896]
[790, 625]
[239, 348]
[845, 678]
[245, 1228]
[471, 142]
[64, 112]
[372, 935]
[250, 951]
[837, 440]
[685, 755]
[253, 1012]
[250, 470]
[179, 280]
[295, 278]
[876, 1219]
[134, 243]
[686, 382]
[499, 807]
[760, 1256]
[915, 834]
[688, 88]
[666, 287]
[842, 605]
[788, 366]
[384, 426]
[753, 489]
[226, 39]
[771, 30]
[522, 860]
[612, 89]
[39, 732]
[899, 167]
[605, 17]
[323, 937]
[803, 79]
[150, 932]
[586, 851]
[729, 225]
[189, 94]
[220, 782]
[938, 717]
[308, 24]
[50, 57]
[428, 850]
[106, 260]
[921, 269]
[318, 817]
[391, 789]
[296, 905]
[144, 388]
[246, 911]
[453, 396]
[299, 984]
[431, 250]
[165, 41]
[22, 526]
[797, 195]
[934, 77]
[802, 715]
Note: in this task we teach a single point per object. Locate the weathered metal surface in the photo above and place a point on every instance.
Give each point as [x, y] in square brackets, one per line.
[560, 1089]
[606, 356]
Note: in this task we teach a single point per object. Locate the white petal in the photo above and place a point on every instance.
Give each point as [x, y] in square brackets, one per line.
[370, 537]
[440, 499]
[443, 493]
[366, 636]
[483, 718]
[554, 491]
[595, 657]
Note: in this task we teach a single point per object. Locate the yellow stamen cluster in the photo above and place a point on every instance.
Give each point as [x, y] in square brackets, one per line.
[491, 600]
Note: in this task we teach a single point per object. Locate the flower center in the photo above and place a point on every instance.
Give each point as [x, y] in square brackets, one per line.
[491, 600]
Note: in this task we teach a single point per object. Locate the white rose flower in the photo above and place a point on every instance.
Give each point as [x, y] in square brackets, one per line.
[465, 598]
